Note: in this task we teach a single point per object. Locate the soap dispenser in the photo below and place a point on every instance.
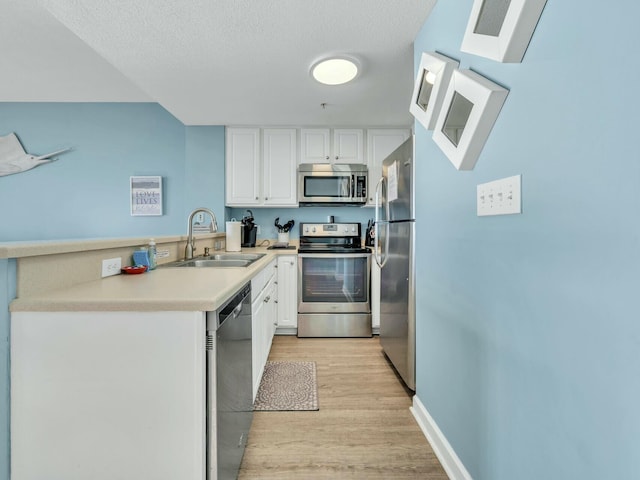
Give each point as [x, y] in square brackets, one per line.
[152, 254]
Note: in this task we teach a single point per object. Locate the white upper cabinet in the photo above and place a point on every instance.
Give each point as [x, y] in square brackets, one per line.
[348, 146]
[261, 163]
[261, 169]
[242, 166]
[340, 145]
[279, 160]
[380, 143]
[315, 145]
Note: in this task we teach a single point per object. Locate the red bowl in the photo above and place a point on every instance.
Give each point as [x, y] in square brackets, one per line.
[134, 269]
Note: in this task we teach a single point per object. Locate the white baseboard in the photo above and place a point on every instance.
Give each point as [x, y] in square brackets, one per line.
[286, 331]
[441, 447]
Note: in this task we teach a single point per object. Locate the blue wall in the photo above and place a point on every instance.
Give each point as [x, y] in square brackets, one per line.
[204, 173]
[528, 339]
[85, 194]
[265, 217]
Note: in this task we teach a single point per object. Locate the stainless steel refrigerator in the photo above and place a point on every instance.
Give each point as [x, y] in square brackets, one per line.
[394, 252]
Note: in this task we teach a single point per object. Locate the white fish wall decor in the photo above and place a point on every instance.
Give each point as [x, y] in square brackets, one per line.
[13, 158]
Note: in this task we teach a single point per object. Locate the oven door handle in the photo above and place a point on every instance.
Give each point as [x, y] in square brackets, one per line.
[381, 261]
[333, 255]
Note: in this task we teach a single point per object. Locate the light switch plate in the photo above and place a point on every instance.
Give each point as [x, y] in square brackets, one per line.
[500, 197]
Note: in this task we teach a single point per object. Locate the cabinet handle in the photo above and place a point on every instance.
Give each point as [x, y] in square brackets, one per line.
[292, 264]
[266, 198]
[337, 157]
[266, 300]
[257, 198]
[327, 157]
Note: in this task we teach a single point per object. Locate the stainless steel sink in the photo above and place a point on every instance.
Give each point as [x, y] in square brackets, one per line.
[219, 260]
[235, 256]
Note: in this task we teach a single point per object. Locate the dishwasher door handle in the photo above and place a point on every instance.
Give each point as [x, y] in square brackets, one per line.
[232, 314]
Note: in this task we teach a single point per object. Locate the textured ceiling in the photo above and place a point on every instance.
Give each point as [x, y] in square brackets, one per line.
[215, 62]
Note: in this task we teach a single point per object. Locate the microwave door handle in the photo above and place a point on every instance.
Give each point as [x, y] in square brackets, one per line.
[353, 186]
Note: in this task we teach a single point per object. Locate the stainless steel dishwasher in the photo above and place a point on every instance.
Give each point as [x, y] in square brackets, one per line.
[229, 385]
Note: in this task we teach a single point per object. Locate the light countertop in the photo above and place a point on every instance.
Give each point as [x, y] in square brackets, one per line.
[162, 289]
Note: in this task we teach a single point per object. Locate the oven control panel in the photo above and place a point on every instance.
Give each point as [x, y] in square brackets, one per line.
[330, 229]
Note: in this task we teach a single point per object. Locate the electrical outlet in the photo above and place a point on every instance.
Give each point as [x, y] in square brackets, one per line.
[111, 266]
[200, 218]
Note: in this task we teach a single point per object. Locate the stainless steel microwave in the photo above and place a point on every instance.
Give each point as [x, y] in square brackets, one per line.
[332, 184]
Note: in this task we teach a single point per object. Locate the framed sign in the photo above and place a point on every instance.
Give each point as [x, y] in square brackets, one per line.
[146, 195]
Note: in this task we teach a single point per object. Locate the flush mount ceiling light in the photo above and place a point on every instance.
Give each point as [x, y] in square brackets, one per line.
[335, 70]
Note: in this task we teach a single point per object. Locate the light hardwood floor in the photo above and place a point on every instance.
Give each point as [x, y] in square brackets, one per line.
[363, 430]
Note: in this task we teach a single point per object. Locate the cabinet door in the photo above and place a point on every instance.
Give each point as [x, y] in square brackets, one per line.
[271, 317]
[242, 166]
[375, 297]
[348, 146]
[257, 341]
[315, 145]
[288, 292]
[279, 166]
[380, 143]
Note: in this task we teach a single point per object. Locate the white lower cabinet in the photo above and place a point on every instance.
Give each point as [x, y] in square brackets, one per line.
[271, 320]
[104, 395]
[287, 294]
[264, 316]
[375, 296]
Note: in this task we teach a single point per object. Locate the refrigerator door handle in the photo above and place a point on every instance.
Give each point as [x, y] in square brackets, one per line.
[378, 187]
[380, 260]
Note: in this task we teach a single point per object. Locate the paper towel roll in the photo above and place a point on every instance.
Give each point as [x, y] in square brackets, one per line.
[233, 236]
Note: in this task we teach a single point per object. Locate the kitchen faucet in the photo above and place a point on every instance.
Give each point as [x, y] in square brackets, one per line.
[190, 248]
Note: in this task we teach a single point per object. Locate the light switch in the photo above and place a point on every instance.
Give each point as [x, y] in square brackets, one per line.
[500, 197]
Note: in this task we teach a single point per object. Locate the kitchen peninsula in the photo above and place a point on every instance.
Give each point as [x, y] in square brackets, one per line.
[109, 375]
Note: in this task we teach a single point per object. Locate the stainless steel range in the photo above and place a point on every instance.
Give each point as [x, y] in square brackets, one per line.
[334, 272]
